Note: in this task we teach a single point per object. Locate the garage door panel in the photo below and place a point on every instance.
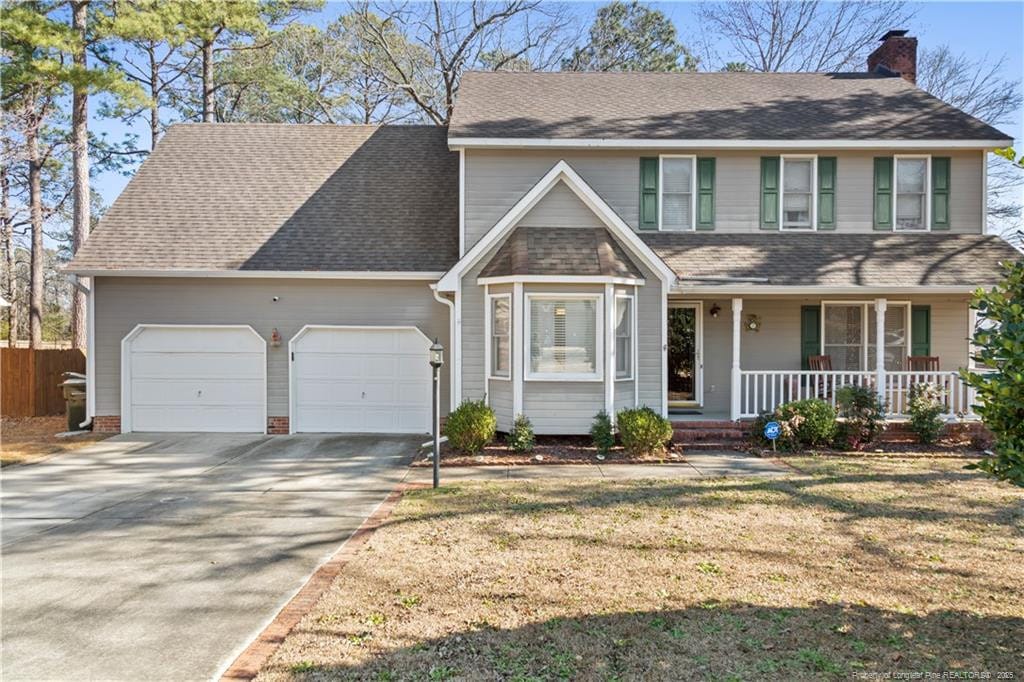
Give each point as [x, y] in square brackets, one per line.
[193, 418]
[148, 364]
[361, 380]
[196, 379]
[200, 392]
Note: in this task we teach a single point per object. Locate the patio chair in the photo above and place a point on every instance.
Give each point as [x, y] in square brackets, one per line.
[923, 363]
[821, 363]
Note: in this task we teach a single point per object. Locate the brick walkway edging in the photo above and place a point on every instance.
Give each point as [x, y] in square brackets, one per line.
[248, 664]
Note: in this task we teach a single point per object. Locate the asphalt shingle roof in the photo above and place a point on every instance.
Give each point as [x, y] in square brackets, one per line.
[285, 197]
[832, 259]
[561, 251]
[734, 106]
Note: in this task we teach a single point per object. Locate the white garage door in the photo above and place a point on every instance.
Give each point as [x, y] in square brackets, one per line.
[185, 378]
[360, 380]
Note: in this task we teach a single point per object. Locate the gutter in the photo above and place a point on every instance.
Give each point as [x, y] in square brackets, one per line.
[451, 340]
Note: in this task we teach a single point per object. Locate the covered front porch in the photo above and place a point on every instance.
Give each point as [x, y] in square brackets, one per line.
[736, 357]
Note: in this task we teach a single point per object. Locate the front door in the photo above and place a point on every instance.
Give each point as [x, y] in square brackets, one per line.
[685, 355]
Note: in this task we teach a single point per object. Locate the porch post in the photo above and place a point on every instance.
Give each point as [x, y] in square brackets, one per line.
[737, 311]
[880, 305]
[517, 349]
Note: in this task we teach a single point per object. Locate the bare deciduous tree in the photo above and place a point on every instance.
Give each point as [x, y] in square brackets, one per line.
[443, 40]
[778, 35]
[978, 87]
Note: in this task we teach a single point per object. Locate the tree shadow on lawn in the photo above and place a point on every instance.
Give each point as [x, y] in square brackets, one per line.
[711, 640]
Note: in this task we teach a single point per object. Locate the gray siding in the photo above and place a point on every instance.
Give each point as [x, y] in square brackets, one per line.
[500, 398]
[560, 208]
[623, 394]
[496, 179]
[123, 303]
[777, 345]
[562, 407]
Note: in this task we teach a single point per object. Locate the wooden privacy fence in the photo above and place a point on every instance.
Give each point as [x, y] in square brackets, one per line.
[30, 380]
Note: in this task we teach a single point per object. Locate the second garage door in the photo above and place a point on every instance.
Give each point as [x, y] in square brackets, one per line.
[360, 380]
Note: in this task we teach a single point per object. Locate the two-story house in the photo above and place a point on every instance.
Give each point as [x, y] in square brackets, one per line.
[708, 244]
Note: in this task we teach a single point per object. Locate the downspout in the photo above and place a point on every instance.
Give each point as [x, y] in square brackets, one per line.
[451, 340]
[90, 343]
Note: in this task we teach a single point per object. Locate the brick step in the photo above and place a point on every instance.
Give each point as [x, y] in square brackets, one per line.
[698, 435]
[711, 445]
[704, 424]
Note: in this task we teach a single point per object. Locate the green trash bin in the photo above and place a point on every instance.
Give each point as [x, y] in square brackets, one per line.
[74, 399]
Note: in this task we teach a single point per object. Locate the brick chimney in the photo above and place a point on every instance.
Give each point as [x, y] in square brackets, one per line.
[897, 55]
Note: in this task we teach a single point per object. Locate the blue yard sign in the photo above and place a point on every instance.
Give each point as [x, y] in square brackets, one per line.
[772, 430]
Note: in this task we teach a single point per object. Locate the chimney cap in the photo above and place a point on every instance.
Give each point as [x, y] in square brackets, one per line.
[895, 33]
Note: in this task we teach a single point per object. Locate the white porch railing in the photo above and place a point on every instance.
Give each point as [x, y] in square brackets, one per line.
[764, 390]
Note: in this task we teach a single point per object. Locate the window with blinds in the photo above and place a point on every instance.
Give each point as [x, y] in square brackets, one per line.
[563, 337]
[501, 338]
[623, 337]
[850, 335]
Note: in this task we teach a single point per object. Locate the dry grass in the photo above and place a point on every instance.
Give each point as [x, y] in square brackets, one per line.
[854, 566]
[32, 438]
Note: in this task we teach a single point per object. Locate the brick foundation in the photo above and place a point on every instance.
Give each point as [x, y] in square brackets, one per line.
[277, 425]
[107, 424]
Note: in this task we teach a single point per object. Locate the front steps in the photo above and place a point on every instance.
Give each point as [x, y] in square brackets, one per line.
[711, 434]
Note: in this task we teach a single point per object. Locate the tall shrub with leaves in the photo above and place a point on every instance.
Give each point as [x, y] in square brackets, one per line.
[1000, 392]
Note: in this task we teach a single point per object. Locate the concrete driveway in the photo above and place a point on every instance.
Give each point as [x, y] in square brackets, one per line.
[160, 556]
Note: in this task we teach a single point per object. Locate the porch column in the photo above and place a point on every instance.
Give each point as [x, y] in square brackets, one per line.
[737, 312]
[609, 350]
[517, 349]
[880, 305]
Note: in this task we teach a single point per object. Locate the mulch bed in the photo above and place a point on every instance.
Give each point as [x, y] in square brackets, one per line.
[548, 450]
[903, 448]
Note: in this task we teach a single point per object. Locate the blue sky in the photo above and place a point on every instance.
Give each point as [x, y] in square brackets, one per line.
[978, 29]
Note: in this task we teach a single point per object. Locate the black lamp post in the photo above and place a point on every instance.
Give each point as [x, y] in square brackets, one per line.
[436, 360]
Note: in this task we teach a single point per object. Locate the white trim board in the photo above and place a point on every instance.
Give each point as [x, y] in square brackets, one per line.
[265, 274]
[560, 279]
[654, 143]
[768, 289]
[560, 172]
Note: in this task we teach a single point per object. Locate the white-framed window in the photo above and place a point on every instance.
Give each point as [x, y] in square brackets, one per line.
[911, 205]
[624, 320]
[799, 201]
[500, 330]
[564, 337]
[678, 183]
[848, 334]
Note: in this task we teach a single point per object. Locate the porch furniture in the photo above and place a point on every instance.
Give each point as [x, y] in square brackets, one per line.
[922, 363]
[820, 363]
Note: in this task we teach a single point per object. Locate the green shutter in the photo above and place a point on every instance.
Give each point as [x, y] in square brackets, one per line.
[940, 192]
[649, 193]
[921, 330]
[883, 192]
[705, 194]
[826, 193]
[769, 192]
[810, 334]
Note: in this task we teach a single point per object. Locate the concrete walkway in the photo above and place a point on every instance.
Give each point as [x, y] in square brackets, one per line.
[695, 465]
[159, 557]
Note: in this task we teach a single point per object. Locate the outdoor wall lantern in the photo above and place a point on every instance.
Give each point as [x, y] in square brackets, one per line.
[753, 323]
[436, 354]
[715, 310]
[275, 338]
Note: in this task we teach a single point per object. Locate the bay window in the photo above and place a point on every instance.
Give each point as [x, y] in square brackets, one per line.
[911, 204]
[849, 335]
[677, 192]
[798, 192]
[501, 336]
[564, 343]
[623, 337]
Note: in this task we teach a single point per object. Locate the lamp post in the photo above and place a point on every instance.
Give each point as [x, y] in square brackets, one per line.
[436, 360]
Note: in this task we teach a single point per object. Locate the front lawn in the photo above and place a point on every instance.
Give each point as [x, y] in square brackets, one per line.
[32, 438]
[854, 566]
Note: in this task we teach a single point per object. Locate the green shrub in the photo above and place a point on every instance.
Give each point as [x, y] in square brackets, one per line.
[802, 423]
[863, 415]
[643, 431]
[1000, 392]
[471, 426]
[601, 433]
[926, 409]
[521, 438]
